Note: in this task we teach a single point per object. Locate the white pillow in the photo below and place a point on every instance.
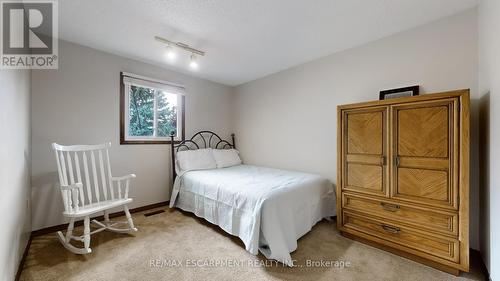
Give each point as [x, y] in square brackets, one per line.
[199, 159]
[226, 157]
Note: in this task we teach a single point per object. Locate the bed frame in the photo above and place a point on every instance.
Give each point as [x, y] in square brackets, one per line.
[200, 140]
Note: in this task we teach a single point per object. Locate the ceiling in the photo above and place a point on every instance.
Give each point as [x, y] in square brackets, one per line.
[243, 39]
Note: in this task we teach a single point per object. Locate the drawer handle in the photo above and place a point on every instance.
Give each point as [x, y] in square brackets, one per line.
[391, 229]
[383, 161]
[390, 207]
[397, 161]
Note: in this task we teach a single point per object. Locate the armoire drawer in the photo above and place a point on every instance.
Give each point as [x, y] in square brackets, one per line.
[421, 218]
[419, 243]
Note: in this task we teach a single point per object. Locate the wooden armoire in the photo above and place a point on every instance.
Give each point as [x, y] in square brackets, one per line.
[403, 177]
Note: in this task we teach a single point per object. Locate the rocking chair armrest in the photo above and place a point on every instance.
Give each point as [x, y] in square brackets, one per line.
[72, 186]
[127, 177]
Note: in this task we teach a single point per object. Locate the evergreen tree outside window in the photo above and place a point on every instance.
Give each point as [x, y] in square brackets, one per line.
[151, 111]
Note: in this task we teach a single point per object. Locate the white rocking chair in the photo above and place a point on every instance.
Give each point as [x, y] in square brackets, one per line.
[80, 202]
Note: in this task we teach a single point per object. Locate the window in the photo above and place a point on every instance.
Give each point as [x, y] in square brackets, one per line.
[150, 110]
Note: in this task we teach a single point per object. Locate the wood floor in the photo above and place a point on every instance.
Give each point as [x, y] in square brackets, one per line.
[175, 245]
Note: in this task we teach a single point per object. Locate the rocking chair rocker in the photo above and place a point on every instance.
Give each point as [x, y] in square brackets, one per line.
[80, 202]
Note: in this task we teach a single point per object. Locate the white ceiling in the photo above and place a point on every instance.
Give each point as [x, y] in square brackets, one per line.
[244, 39]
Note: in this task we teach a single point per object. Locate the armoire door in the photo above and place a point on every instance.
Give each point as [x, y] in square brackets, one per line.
[364, 147]
[424, 142]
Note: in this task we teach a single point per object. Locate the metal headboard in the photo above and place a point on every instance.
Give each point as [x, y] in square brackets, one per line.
[200, 140]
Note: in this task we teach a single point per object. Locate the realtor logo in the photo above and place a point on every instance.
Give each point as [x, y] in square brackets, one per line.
[29, 35]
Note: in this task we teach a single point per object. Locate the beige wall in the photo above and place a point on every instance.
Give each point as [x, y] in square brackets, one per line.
[79, 104]
[288, 120]
[15, 158]
[489, 90]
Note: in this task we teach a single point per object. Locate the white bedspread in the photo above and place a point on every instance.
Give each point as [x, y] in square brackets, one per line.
[269, 209]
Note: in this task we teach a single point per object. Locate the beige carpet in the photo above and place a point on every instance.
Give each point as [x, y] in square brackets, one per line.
[175, 242]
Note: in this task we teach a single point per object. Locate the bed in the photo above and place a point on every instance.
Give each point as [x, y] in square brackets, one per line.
[268, 209]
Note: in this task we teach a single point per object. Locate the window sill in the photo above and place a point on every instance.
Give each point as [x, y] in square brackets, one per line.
[124, 142]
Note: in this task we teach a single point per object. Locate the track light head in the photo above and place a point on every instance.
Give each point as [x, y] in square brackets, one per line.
[170, 53]
[193, 64]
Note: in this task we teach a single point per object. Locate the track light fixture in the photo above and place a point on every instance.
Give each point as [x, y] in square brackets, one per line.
[171, 54]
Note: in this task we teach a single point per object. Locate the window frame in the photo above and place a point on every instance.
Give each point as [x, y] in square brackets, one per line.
[146, 140]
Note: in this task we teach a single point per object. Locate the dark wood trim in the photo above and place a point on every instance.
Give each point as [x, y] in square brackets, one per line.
[183, 118]
[122, 109]
[64, 226]
[122, 120]
[172, 151]
[154, 213]
[149, 142]
[23, 259]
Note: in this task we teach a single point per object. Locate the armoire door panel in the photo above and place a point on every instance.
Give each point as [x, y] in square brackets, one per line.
[364, 133]
[364, 176]
[423, 132]
[423, 141]
[365, 147]
[423, 183]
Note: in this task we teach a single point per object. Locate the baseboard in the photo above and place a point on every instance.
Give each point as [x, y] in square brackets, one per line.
[64, 226]
[23, 259]
[476, 255]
